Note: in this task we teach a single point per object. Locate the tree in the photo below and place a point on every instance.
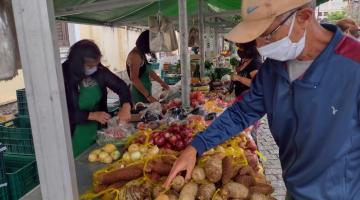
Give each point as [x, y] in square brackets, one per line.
[335, 16]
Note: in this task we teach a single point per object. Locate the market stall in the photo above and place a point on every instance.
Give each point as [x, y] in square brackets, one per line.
[46, 99]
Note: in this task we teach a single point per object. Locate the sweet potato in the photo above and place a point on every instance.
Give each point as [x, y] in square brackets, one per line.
[234, 190]
[229, 170]
[213, 169]
[124, 174]
[178, 183]
[198, 174]
[160, 167]
[259, 196]
[246, 180]
[262, 188]
[189, 191]
[206, 191]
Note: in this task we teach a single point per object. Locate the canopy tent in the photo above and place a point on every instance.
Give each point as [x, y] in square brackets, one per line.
[135, 12]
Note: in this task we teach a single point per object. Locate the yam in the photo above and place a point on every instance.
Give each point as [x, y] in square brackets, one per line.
[198, 174]
[189, 191]
[235, 190]
[178, 183]
[213, 169]
[262, 188]
[246, 180]
[206, 191]
[125, 174]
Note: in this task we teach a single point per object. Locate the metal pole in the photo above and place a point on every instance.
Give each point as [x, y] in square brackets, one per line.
[40, 58]
[184, 54]
[201, 35]
[216, 37]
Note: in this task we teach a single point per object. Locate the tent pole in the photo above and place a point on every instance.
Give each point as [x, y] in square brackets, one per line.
[184, 54]
[201, 35]
[40, 57]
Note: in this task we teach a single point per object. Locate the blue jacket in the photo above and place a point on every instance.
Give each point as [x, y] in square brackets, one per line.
[314, 121]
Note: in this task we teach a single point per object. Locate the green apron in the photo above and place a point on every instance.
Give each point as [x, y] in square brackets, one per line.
[136, 95]
[89, 99]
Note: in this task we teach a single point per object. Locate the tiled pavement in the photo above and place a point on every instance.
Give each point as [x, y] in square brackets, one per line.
[268, 147]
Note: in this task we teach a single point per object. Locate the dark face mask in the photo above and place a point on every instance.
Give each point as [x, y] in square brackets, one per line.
[242, 54]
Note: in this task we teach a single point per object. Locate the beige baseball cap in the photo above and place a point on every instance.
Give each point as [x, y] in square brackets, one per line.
[258, 15]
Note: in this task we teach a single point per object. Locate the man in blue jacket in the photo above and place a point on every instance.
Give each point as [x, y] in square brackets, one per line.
[309, 87]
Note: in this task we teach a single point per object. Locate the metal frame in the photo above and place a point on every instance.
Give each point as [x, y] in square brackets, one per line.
[99, 6]
[35, 27]
[184, 54]
[201, 39]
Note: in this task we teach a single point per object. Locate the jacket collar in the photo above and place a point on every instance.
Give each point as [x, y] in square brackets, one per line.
[315, 72]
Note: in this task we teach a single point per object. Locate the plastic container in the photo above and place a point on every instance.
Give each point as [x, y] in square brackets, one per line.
[22, 102]
[17, 140]
[22, 174]
[22, 121]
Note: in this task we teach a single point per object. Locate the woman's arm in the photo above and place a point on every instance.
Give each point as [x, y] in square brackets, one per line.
[244, 80]
[156, 78]
[135, 61]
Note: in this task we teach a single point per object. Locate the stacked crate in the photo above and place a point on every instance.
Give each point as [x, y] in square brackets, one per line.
[19, 164]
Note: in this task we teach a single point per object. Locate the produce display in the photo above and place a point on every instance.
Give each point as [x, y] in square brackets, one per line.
[106, 154]
[229, 171]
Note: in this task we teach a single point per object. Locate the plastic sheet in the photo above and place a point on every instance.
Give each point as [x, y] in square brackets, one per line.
[9, 51]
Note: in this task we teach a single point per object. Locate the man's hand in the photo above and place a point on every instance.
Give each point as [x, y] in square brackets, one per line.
[186, 162]
[101, 117]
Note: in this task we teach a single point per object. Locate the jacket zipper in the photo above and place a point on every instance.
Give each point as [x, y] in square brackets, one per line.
[292, 93]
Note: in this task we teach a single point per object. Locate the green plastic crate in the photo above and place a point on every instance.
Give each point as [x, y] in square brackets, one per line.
[22, 102]
[22, 121]
[22, 175]
[4, 195]
[3, 180]
[17, 140]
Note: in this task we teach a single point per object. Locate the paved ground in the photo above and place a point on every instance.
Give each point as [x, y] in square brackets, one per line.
[267, 146]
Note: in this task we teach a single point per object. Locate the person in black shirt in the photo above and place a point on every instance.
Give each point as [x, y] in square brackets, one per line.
[247, 69]
[86, 83]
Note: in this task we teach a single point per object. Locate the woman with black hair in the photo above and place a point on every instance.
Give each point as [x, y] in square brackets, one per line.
[140, 72]
[247, 69]
[86, 83]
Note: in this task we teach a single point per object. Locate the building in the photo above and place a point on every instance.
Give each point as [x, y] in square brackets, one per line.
[331, 6]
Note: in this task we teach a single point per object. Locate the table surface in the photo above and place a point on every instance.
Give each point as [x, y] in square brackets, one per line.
[84, 171]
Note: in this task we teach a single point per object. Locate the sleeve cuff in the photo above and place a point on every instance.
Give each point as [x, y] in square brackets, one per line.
[199, 145]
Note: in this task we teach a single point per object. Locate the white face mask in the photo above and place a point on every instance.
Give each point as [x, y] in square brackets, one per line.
[284, 49]
[90, 71]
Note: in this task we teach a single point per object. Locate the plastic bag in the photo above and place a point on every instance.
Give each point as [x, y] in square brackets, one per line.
[194, 37]
[162, 34]
[116, 133]
[9, 51]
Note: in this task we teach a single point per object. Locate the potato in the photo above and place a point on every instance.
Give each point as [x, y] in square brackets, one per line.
[198, 174]
[162, 197]
[235, 190]
[109, 148]
[156, 191]
[133, 148]
[213, 169]
[189, 191]
[93, 157]
[206, 191]
[178, 183]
